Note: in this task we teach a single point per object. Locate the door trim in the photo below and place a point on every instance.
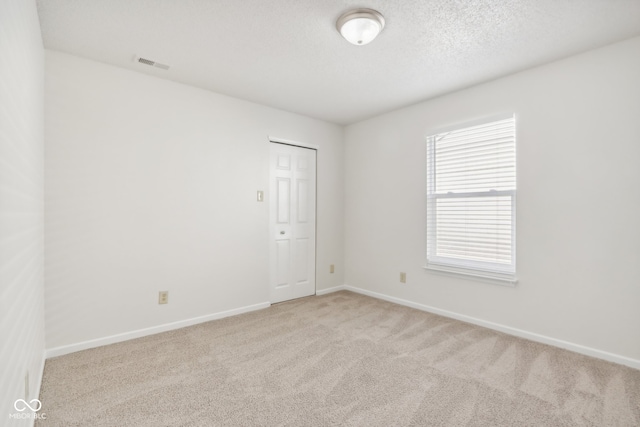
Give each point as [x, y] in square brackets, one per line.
[294, 143]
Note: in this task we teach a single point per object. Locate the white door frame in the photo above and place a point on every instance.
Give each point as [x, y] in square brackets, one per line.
[277, 140]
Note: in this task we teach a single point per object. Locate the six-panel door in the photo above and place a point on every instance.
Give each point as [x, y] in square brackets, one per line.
[293, 222]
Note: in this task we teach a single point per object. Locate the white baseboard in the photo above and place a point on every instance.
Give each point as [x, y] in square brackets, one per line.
[588, 351]
[600, 354]
[72, 348]
[39, 383]
[41, 374]
[329, 290]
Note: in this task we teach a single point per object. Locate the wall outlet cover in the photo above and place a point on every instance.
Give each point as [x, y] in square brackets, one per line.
[163, 297]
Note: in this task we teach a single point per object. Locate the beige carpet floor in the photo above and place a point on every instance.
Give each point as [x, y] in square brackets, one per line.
[340, 359]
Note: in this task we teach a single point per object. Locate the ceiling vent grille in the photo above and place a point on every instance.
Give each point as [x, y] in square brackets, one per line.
[152, 63]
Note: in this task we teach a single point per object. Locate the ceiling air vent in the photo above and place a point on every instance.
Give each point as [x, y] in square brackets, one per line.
[152, 63]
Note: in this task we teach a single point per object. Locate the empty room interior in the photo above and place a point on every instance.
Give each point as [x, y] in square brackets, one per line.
[279, 213]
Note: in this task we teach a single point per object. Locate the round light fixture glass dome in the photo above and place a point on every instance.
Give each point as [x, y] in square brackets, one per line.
[360, 26]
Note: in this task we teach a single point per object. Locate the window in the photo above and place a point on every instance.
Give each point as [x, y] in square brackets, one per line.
[471, 200]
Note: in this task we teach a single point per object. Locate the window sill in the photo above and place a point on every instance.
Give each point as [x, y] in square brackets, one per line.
[497, 279]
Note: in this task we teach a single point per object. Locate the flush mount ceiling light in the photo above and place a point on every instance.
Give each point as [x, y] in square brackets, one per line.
[360, 26]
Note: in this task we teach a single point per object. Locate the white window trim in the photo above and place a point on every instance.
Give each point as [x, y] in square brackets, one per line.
[471, 123]
[488, 277]
[486, 272]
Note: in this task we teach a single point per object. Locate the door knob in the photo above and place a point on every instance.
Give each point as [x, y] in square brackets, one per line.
[282, 232]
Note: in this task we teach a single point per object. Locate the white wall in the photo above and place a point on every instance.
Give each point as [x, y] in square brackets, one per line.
[578, 208]
[151, 185]
[21, 205]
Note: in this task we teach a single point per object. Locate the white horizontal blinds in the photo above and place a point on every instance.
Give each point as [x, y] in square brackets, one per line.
[474, 228]
[479, 158]
[471, 185]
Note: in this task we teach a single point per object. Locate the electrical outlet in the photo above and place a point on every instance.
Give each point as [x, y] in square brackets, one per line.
[163, 297]
[332, 269]
[26, 386]
[403, 277]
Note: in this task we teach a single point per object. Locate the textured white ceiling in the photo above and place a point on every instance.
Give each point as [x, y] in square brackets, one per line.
[288, 54]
